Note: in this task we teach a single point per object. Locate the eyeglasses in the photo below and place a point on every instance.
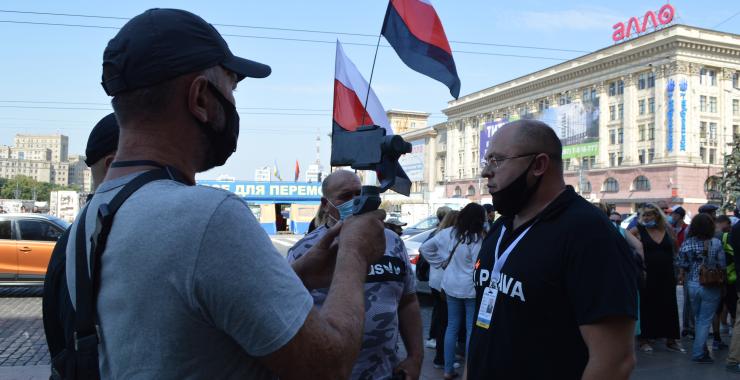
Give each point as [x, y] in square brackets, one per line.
[497, 162]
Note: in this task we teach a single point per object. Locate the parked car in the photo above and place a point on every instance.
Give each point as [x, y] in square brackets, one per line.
[412, 248]
[26, 242]
[426, 224]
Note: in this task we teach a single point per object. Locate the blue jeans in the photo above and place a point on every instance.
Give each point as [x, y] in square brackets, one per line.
[455, 309]
[704, 302]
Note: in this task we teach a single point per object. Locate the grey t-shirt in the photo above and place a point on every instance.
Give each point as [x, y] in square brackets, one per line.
[191, 286]
[387, 281]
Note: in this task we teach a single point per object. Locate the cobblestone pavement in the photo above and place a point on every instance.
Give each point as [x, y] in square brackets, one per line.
[23, 353]
[22, 341]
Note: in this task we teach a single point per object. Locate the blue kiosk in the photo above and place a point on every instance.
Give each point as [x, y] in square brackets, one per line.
[280, 207]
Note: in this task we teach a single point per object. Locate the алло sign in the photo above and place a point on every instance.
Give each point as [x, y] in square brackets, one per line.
[664, 17]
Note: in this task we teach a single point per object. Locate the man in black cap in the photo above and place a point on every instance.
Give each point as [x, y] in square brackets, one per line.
[56, 305]
[190, 286]
[101, 148]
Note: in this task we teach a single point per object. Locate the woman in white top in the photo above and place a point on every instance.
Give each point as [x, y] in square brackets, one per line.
[456, 249]
[439, 312]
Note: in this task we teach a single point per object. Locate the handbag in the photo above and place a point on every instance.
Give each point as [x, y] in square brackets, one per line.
[708, 276]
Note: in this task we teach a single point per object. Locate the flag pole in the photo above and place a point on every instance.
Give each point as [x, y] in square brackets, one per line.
[370, 82]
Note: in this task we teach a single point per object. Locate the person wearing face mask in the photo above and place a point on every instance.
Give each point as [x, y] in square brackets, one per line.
[658, 304]
[553, 269]
[392, 310]
[676, 221]
[188, 285]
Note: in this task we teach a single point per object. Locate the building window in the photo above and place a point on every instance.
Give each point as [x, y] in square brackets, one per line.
[651, 155]
[641, 131]
[703, 130]
[651, 105]
[611, 185]
[703, 154]
[612, 159]
[586, 187]
[471, 190]
[620, 87]
[712, 184]
[543, 105]
[651, 79]
[458, 191]
[713, 104]
[712, 153]
[641, 157]
[712, 131]
[702, 103]
[736, 80]
[641, 183]
[620, 111]
[613, 136]
[641, 106]
[735, 131]
[735, 107]
[612, 89]
[612, 113]
[621, 135]
[642, 82]
[619, 159]
[708, 77]
[651, 131]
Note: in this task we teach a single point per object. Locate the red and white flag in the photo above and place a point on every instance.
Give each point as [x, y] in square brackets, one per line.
[350, 91]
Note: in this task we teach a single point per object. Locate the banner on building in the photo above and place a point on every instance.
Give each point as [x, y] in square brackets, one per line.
[269, 191]
[489, 128]
[413, 163]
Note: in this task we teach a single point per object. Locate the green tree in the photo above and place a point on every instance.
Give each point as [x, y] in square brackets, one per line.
[730, 184]
[23, 187]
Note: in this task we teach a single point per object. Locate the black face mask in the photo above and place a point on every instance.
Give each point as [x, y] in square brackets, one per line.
[223, 143]
[512, 199]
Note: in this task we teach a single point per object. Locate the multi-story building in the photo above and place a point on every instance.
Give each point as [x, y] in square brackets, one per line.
[79, 174]
[58, 144]
[38, 170]
[404, 121]
[644, 120]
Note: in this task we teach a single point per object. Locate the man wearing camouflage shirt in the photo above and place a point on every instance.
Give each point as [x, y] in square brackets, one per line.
[391, 306]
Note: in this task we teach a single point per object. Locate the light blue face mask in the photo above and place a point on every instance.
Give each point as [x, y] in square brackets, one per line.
[345, 209]
[650, 224]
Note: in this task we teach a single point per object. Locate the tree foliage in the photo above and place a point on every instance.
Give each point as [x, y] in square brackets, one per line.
[24, 187]
[730, 184]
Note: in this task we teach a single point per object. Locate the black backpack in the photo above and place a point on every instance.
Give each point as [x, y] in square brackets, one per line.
[422, 265]
[72, 333]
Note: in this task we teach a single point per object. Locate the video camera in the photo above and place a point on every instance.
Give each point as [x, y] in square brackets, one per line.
[369, 148]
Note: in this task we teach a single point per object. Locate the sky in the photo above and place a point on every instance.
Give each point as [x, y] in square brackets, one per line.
[50, 74]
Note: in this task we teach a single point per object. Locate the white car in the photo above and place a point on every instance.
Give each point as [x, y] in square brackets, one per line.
[412, 248]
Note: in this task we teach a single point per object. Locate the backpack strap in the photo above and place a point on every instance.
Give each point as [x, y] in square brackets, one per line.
[86, 335]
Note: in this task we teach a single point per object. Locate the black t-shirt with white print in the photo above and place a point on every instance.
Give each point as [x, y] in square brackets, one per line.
[572, 268]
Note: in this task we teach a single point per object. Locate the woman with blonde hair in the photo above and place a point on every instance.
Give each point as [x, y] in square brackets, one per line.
[658, 305]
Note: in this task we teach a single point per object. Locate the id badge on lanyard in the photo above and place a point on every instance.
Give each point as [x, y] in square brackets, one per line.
[488, 301]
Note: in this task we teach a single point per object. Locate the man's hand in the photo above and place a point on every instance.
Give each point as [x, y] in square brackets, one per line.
[316, 267]
[364, 236]
[411, 368]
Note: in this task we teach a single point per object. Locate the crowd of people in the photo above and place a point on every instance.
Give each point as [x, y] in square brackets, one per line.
[699, 257]
[158, 278]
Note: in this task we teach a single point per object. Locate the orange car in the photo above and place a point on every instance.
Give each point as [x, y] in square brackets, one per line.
[26, 242]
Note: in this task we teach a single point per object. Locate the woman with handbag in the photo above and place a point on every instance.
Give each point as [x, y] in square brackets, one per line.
[702, 263]
[456, 249]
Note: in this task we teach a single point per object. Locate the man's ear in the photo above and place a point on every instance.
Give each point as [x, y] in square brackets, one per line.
[109, 160]
[198, 101]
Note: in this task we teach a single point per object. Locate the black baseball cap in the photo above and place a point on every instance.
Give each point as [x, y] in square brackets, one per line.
[162, 44]
[103, 139]
[708, 209]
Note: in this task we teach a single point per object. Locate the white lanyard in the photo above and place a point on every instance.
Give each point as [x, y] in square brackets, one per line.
[499, 263]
